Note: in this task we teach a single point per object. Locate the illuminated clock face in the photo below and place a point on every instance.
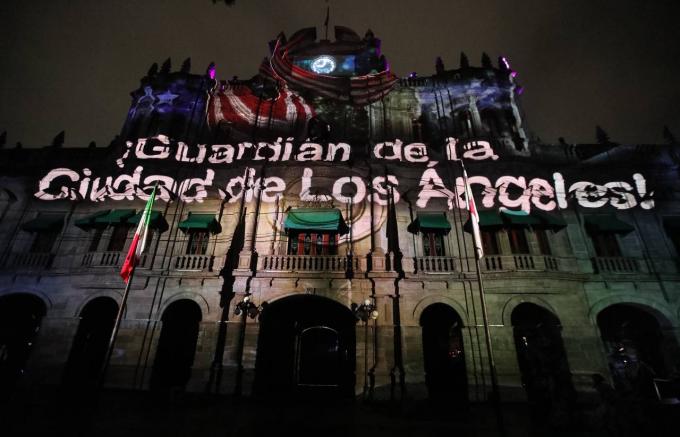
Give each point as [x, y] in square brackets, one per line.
[323, 65]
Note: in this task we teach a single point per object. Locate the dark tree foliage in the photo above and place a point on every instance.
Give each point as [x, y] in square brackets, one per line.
[601, 136]
[186, 66]
[464, 61]
[226, 2]
[486, 60]
[3, 139]
[58, 140]
[167, 65]
[92, 145]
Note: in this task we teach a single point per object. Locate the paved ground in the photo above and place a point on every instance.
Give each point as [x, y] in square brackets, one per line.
[130, 414]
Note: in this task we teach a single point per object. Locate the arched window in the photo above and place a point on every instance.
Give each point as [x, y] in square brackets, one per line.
[176, 345]
[20, 317]
[91, 342]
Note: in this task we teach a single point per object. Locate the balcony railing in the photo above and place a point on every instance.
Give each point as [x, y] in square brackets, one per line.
[520, 262]
[109, 259]
[103, 259]
[308, 263]
[196, 263]
[435, 264]
[615, 264]
[30, 261]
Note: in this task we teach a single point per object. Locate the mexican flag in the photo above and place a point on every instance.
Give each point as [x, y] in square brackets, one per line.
[138, 246]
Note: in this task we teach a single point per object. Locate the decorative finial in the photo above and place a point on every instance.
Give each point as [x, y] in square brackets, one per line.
[486, 60]
[186, 66]
[439, 65]
[464, 61]
[165, 68]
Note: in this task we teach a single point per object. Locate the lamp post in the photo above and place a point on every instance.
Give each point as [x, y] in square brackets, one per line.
[365, 312]
[246, 308]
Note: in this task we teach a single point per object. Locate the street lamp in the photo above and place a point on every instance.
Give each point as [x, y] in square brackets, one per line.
[365, 312]
[246, 308]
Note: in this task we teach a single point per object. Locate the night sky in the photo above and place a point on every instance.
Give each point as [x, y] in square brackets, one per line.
[71, 64]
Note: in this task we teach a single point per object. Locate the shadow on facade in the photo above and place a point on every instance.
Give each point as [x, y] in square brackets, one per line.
[306, 349]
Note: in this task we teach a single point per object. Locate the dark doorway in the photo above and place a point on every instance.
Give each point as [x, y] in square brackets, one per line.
[306, 348]
[20, 317]
[91, 342]
[636, 348]
[542, 360]
[443, 354]
[176, 346]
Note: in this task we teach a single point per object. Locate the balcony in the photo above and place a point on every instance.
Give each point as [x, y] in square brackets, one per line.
[528, 263]
[435, 264]
[29, 261]
[108, 259]
[308, 263]
[615, 264]
[193, 263]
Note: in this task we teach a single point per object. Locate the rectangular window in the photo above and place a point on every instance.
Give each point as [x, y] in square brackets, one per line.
[542, 239]
[118, 238]
[518, 240]
[44, 241]
[313, 243]
[96, 238]
[489, 242]
[433, 244]
[605, 244]
[198, 242]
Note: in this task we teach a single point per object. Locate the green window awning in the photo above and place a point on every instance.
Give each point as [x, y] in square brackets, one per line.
[201, 222]
[156, 221]
[520, 218]
[487, 219]
[316, 219]
[430, 221]
[549, 221]
[44, 223]
[114, 217]
[607, 223]
[89, 221]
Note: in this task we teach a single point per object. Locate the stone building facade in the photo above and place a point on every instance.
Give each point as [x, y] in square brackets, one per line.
[290, 200]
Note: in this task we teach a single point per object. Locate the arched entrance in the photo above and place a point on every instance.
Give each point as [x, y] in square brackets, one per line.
[542, 359]
[176, 345]
[306, 347]
[91, 342]
[20, 317]
[636, 347]
[443, 354]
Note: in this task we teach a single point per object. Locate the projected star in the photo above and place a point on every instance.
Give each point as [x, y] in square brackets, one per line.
[166, 98]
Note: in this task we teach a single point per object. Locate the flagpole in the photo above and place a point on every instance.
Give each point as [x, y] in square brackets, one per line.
[487, 332]
[131, 257]
[116, 328]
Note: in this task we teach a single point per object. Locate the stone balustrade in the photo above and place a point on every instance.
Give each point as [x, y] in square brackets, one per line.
[436, 264]
[615, 264]
[198, 263]
[103, 259]
[30, 260]
[307, 263]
